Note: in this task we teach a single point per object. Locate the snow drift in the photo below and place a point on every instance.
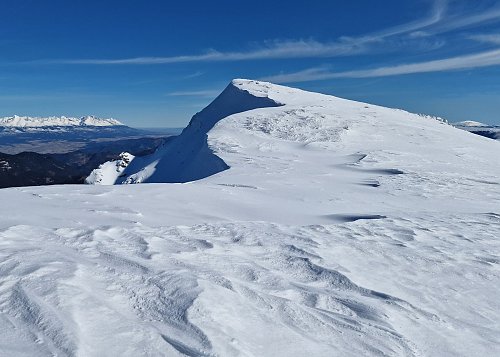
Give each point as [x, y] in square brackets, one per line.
[340, 228]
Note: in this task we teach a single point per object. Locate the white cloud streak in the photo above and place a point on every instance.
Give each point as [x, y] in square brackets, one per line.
[437, 21]
[486, 38]
[483, 59]
[436, 15]
[194, 75]
[344, 46]
[270, 50]
[458, 21]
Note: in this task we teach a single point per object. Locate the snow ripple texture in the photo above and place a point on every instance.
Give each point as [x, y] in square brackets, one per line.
[210, 289]
[316, 226]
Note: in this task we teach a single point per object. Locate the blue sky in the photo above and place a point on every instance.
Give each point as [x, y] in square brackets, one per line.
[156, 63]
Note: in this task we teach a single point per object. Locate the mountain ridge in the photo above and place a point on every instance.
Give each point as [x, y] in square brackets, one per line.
[17, 121]
[311, 118]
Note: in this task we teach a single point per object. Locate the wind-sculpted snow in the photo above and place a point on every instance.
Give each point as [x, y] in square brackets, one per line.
[251, 288]
[340, 228]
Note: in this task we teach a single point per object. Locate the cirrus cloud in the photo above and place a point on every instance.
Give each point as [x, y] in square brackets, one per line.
[477, 60]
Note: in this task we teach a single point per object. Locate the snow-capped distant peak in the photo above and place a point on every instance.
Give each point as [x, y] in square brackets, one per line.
[470, 123]
[475, 127]
[26, 121]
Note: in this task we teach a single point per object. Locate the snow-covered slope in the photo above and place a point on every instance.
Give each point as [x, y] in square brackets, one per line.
[25, 121]
[321, 227]
[188, 157]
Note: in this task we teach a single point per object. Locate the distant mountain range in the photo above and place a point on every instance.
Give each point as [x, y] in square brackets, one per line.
[489, 131]
[37, 122]
[55, 135]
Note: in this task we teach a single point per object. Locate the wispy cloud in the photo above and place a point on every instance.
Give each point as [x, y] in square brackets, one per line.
[436, 15]
[470, 19]
[194, 75]
[453, 21]
[306, 75]
[269, 50]
[278, 49]
[486, 38]
[440, 19]
[199, 93]
[483, 59]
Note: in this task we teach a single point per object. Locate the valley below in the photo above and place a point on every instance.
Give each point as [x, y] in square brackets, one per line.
[50, 154]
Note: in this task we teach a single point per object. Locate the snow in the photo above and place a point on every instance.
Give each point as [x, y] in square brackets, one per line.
[28, 122]
[489, 131]
[470, 123]
[189, 157]
[294, 224]
[4, 165]
[108, 172]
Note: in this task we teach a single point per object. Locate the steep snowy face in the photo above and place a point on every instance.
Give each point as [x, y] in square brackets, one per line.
[27, 122]
[188, 157]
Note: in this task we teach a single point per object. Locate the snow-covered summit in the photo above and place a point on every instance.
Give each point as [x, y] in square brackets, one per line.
[26, 121]
[189, 156]
[262, 111]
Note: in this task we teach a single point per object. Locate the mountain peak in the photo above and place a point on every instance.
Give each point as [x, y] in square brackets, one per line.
[470, 123]
[27, 121]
